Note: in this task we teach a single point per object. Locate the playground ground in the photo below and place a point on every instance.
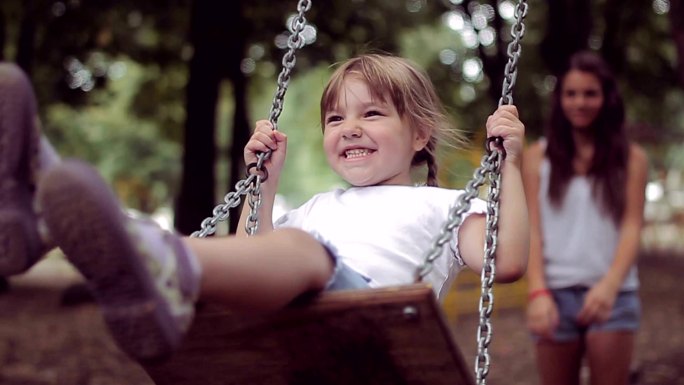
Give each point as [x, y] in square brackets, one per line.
[43, 342]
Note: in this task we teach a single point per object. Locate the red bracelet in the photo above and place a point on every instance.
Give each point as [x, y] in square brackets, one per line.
[538, 293]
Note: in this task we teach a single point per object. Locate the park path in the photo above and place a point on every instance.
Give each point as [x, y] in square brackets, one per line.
[45, 343]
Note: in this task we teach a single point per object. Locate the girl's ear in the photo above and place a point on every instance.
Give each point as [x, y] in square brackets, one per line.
[421, 137]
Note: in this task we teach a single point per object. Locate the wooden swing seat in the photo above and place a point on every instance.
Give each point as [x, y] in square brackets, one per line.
[392, 336]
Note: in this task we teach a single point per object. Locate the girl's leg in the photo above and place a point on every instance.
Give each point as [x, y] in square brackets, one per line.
[263, 272]
[147, 280]
[24, 154]
[609, 356]
[559, 363]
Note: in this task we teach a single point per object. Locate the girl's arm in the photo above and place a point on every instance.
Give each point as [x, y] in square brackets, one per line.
[514, 228]
[600, 299]
[263, 139]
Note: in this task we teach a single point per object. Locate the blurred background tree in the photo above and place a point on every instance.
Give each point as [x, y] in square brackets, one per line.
[161, 95]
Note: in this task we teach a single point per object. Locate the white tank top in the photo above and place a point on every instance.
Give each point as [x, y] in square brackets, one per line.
[579, 238]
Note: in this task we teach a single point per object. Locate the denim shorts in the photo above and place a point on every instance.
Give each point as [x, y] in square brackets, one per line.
[624, 316]
[343, 277]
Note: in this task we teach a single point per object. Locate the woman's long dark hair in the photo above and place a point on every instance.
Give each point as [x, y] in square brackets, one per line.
[608, 169]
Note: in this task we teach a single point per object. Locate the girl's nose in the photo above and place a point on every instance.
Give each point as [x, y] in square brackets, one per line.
[353, 131]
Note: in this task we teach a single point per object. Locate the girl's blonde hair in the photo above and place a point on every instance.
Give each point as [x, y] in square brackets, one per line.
[410, 91]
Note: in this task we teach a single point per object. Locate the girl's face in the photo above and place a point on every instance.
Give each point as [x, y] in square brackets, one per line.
[581, 98]
[366, 141]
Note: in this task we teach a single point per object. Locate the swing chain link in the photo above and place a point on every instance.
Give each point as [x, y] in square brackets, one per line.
[254, 201]
[222, 211]
[294, 42]
[252, 183]
[514, 51]
[486, 303]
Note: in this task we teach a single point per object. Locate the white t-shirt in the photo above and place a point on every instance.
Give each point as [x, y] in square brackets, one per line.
[579, 238]
[384, 232]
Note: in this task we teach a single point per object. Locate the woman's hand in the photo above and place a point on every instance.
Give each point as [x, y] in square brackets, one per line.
[504, 122]
[542, 316]
[263, 139]
[598, 303]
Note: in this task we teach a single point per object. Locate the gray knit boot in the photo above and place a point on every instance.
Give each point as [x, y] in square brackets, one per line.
[24, 155]
[144, 278]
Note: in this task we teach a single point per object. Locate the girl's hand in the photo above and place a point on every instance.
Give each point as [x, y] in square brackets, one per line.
[542, 316]
[598, 304]
[263, 139]
[504, 122]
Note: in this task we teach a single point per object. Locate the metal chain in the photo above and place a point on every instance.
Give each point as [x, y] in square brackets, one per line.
[486, 303]
[514, 50]
[252, 183]
[254, 201]
[490, 168]
[222, 211]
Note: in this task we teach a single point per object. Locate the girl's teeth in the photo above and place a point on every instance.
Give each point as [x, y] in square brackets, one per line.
[356, 153]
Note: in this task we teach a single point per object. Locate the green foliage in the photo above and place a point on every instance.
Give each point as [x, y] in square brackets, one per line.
[132, 127]
[130, 152]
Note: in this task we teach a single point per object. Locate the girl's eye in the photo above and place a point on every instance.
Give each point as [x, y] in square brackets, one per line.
[333, 118]
[373, 113]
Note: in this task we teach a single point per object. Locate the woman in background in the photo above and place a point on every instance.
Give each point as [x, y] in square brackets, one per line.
[585, 185]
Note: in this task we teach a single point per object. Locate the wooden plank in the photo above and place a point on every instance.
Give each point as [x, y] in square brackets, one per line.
[379, 336]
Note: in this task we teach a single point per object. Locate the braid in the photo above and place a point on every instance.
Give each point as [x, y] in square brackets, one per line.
[432, 171]
[427, 156]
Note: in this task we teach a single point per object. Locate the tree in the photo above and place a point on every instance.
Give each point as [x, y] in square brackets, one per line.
[676, 15]
[180, 52]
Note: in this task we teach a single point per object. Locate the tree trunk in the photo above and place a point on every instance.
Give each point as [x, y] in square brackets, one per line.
[569, 27]
[676, 17]
[619, 18]
[3, 36]
[27, 38]
[241, 125]
[196, 198]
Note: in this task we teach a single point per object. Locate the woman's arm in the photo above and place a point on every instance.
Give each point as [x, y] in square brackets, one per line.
[630, 227]
[535, 269]
[542, 313]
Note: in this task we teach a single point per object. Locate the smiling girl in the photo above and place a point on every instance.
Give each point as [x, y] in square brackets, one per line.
[381, 118]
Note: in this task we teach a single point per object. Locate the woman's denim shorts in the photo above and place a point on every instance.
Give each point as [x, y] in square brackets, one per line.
[624, 316]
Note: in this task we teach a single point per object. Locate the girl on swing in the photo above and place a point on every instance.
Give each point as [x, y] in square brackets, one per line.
[381, 118]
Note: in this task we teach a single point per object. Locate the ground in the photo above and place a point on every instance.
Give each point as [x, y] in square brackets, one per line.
[43, 342]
